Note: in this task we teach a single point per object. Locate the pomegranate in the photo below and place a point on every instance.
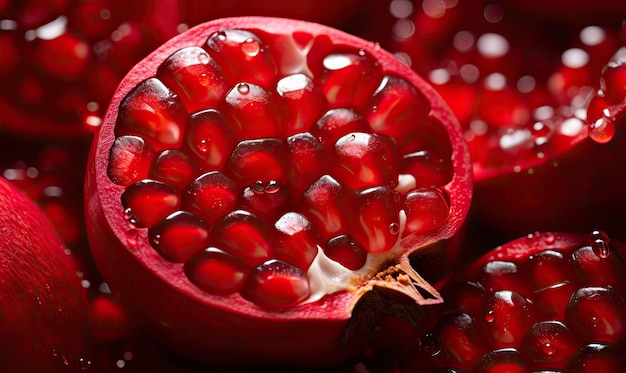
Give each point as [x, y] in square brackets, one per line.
[545, 302]
[522, 98]
[45, 314]
[260, 187]
[62, 60]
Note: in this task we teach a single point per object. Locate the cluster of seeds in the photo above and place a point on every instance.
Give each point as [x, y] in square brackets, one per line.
[249, 156]
[556, 310]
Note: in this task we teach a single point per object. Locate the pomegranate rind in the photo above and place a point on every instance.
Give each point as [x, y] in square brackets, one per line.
[223, 330]
[44, 308]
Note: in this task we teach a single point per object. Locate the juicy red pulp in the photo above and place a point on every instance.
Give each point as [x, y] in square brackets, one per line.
[544, 302]
[246, 155]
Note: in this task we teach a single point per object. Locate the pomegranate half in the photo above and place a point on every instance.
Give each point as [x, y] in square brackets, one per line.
[254, 178]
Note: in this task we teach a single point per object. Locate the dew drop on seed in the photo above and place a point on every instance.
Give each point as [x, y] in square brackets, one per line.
[602, 131]
[549, 238]
[599, 242]
[243, 88]
[490, 316]
[394, 228]
[132, 237]
[272, 187]
[203, 58]
[250, 47]
[258, 187]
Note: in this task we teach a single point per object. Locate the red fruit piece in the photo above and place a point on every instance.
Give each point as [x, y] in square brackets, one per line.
[129, 160]
[210, 137]
[148, 201]
[180, 72]
[426, 209]
[256, 112]
[211, 195]
[175, 167]
[365, 160]
[318, 223]
[276, 285]
[528, 298]
[154, 111]
[216, 271]
[244, 57]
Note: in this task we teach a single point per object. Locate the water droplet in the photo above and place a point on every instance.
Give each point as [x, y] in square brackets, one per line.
[84, 364]
[203, 58]
[243, 88]
[602, 130]
[549, 238]
[490, 316]
[272, 187]
[394, 228]
[599, 242]
[156, 239]
[258, 187]
[221, 35]
[548, 349]
[250, 47]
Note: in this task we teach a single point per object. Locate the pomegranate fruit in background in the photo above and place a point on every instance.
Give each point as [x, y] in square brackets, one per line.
[45, 315]
[522, 99]
[62, 60]
[545, 302]
[257, 177]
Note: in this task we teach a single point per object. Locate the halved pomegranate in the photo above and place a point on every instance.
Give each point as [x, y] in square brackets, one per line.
[254, 178]
[44, 308]
[544, 302]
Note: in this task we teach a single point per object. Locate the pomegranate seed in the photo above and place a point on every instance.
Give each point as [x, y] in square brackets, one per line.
[65, 55]
[325, 203]
[378, 225]
[549, 301]
[396, 109]
[256, 112]
[597, 357]
[297, 240]
[258, 160]
[427, 168]
[152, 110]
[548, 268]
[266, 200]
[211, 196]
[460, 336]
[305, 100]
[308, 161]
[337, 123]
[426, 209]
[500, 274]
[147, 202]
[468, 296]
[507, 316]
[346, 250]
[216, 271]
[243, 56]
[613, 82]
[505, 360]
[179, 236]
[195, 76]
[129, 160]
[175, 167]
[365, 160]
[597, 271]
[342, 79]
[244, 235]
[210, 137]
[276, 285]
[597, 313]
[549, 344]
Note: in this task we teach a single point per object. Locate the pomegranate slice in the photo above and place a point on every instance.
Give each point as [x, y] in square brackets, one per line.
[45, 311]
[557, 303]
[296, 212]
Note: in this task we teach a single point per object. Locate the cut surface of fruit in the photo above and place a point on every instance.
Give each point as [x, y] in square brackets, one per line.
[548, 301]
[297, 180]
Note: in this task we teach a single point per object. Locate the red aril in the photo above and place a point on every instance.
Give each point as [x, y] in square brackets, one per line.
[559, 306]
[45, 311]
[293, 214]
[62, 61]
